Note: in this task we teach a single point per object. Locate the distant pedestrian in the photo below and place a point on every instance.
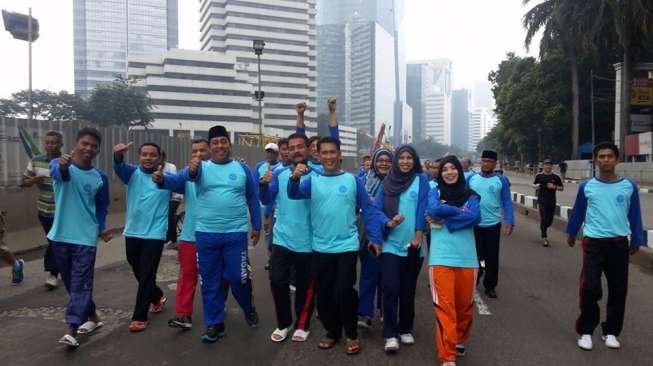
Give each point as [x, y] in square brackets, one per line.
[546, 185]
[563, 170]
[609, 207]
[8, 256]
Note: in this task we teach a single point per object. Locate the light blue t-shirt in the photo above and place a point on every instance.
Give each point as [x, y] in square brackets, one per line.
[147, 205]
[609, 210]
[412, 205]
[225, 191]
[316, 167]
[178, 183]
[433, 184]
[334, 200]
[292, 228]
[81, 198]
[495, 198]
[468, 174]
[261, 168]
[453, 244]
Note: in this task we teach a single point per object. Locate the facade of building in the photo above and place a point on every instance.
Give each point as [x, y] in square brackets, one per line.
[288, 63]
[481, 123]
[331, 66]
[107, 31]
[461, 104]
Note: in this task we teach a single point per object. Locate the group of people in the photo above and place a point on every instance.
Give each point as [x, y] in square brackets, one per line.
[393, 215]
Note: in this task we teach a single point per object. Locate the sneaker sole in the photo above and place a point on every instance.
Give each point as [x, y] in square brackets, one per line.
[184, 326]
[207, 339]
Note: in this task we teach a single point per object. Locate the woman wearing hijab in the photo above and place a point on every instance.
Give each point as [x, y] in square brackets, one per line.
[370, 278]
[452, 259]
[402, 199]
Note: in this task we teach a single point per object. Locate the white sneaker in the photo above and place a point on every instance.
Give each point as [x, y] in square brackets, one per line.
[611, 341]
[585, 342]
[292, 288]
[51, 282]
[391, 345]
[407, 339]
[449, 363]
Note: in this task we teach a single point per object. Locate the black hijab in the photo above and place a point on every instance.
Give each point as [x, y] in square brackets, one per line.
[455, 194]
[397, 182]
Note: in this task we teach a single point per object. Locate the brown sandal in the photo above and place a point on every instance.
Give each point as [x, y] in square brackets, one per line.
[353, 346]
[327, 343]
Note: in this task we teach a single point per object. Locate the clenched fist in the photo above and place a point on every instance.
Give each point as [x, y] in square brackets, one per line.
[266, 178]
[300, 169]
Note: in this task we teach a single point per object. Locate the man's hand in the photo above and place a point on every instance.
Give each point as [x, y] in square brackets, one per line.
[571, 240]
[300, 169]
[120, 149]
[65, 160]
[332, 105]
[255, 235]
[395, 221]
[267, 176]
[375, 247]
[551, 186]
[300, 108]
[194, 166]
[157, 176]
[417, 240]
[32, 181]
[509, 229]
[107, 235]
[633, 250]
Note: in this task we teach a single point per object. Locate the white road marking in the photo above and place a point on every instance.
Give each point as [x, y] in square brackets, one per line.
[482, 307]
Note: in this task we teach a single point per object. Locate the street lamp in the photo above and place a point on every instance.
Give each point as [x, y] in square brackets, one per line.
[258, 45]
[24, 28]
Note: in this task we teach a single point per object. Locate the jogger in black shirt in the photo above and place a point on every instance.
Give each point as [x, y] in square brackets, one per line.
[546, 184]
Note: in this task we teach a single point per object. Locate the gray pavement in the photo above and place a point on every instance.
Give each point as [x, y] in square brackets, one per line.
[522, 184]
[532, 322]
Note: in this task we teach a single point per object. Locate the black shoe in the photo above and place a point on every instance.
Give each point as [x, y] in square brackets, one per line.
[545, 242]
[183, 322]
[267, 266]
[460, 350]
[491, 293]
[213, 333]
[481, 272]
[252, 319]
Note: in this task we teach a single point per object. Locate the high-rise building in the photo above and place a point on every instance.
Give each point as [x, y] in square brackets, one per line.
[482, 95]
[378, 11]
[482, 122]
[288, 63]
[106, 31]
[430, 95]
[331, 65]
[461, 104]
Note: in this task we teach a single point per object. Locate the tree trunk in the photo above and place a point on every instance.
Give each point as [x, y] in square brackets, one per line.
[575, 104]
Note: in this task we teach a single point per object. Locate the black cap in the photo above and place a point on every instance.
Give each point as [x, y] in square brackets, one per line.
[218, 131]
[489, 154]
[547, 161]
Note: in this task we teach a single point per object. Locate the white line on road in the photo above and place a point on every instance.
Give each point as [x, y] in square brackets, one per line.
[482, 307]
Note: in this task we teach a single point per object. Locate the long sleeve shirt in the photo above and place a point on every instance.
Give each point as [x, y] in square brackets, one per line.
[608, 209]
[178, 184]
[495, 198]
[81, 197]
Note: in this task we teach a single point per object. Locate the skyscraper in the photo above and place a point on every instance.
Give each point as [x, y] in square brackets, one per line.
[461, 104]
[482, 122]
[288, 63]
[106, 31]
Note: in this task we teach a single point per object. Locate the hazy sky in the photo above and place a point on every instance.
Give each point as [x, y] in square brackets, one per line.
[475, 34]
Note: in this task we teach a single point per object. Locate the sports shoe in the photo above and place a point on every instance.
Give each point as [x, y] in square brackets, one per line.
[17, 272]
[158, 306]
[391, 345]
[213, 333]
[292, 288]
[449, 363]
[545, 242]
[585, 342]
[491, 293]
[183, 322]
[364, 322]
[460, 350]
[51, 282]
[611, 341]
[407, 339]
[252, 318]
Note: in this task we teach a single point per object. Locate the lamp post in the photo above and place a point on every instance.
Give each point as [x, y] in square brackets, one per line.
[258, 45]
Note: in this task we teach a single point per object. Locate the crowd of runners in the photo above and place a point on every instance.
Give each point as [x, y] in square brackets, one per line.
[393, 215]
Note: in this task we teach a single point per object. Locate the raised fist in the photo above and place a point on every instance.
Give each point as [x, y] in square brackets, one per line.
[332, 104]
[300, 108]
[267, 177]
[194, 165]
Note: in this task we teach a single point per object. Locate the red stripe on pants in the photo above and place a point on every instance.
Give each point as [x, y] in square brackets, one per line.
[308, 305]
[188, 277]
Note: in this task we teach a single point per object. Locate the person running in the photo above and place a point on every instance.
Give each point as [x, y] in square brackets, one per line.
[82, 192]
[17, 265]
[38, 173]
[467, 168]
[370, 277]
[546, 185]
[494, 190]
[334, 198]
[175, 201]
[186, 251]
[609, 207]
[563, 169]
[226, 191]
[404, 194]
[292, 246]
[452, 259]
[314, 161]
[145, 227]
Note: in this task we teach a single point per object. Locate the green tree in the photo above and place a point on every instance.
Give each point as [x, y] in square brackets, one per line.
[46, 105]
[120, 103]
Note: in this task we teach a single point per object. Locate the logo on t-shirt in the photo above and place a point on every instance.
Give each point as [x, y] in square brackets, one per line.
[87, 188]
[621, 199]
[342, 189]
[413, 194]
[492, 189]
[232, 176]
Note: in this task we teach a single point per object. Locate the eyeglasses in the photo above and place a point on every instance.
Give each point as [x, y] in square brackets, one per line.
[387, 161]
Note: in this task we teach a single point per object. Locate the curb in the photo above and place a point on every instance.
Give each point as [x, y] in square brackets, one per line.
[564, 212]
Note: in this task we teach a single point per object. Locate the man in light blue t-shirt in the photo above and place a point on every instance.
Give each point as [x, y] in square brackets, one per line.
[81, 198]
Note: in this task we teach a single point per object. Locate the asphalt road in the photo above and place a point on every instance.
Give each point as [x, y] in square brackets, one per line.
[567, 197]
[532, 322]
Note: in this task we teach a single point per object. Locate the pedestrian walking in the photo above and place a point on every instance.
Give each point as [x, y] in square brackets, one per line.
[546, 185]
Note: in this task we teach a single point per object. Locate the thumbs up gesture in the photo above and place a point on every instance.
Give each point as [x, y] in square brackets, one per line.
[65, 159]
[300, 169]
[157, 176]
[267, 177]
[120, 149]
[194, 166]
